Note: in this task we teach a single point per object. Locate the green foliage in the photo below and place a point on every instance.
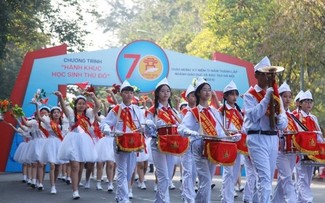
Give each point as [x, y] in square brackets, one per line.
[31, 25]
[290, 32]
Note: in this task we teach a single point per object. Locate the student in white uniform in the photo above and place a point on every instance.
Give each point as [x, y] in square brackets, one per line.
[233, 121]
[305, 172]
[187, 160]
[162, 115]
[262, 136]
[285, 189]
[203, 119]
[78, 146]
[124, 118]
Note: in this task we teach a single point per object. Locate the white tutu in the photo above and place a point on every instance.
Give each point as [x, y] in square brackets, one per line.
[105, 149]
[50, 151]
[34, 150]
[145, 154]
[19, 152]
[77, 146]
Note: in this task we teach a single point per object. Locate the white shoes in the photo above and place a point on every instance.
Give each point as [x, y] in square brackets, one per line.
[130, 194]
[110, 187]
[40, 187]
[171, 186]
[99, 186]
[143, 186]
[75, 195]
[53, 190]
[87, 184]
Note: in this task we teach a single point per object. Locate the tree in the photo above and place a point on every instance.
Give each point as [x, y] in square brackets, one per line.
[31, 25]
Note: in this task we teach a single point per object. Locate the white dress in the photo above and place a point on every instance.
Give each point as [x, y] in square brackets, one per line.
[21, 149]
[78, 145]
[52, 144]
[35, 147]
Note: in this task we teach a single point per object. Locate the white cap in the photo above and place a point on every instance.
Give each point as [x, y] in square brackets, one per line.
[56, 107]
[298, 95]
[45, 107]
[162, 82]
[81, 97]
[284, 88]
[230, 86]
[306, 95]
[190, 89]
[124, 85]
[265, 62]
[199, 82]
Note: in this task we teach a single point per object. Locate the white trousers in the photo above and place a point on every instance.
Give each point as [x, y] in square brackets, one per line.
[229, 178]
[250, 190]
[305, 175]
[285, 190]
[205, 172]
[125, 166]
[164, 164]
[263, 150]
[188, 176]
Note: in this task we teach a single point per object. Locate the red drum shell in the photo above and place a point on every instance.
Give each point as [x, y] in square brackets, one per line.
[130, 142]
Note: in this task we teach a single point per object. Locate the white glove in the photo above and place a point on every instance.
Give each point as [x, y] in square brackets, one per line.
[191, 133]
[106, 130]
[150, 124]
[269, 92]
[150, 128]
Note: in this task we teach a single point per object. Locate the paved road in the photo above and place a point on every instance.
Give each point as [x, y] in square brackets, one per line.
[12, 190]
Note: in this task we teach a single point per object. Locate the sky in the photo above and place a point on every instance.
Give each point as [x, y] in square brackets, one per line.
[97, 38]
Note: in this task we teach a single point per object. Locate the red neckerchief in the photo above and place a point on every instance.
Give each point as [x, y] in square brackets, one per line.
[46, 133]
[126, 117]
[208, 123]
[56, 129]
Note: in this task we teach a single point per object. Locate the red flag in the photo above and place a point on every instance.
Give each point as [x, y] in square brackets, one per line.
[110, 100]
[82, 85]
[44, 100]
[183, 95]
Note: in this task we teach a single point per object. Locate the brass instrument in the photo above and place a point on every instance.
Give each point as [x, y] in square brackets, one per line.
[271, 73]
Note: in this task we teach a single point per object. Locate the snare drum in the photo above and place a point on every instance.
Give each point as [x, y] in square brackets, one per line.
[320, 157]
[289, 146]
[170, 142]
[130, 142]
[220, 152]
[242, 146]
[306, 142]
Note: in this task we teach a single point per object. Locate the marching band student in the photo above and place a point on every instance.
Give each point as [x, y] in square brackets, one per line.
[36, 146]
[78, 146]
[161, 115]
[53, 124]
[285, 189]
[124, 119]
[262, 139]
[187, 160]
[297, 103]
[233, 120]
[202, 119]
[305, 172]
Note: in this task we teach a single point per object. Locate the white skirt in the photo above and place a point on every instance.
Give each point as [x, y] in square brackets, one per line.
[145, 154]
[34, 150]
[19, 152]
[50, 151]
[105, 149]
[77, 147]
